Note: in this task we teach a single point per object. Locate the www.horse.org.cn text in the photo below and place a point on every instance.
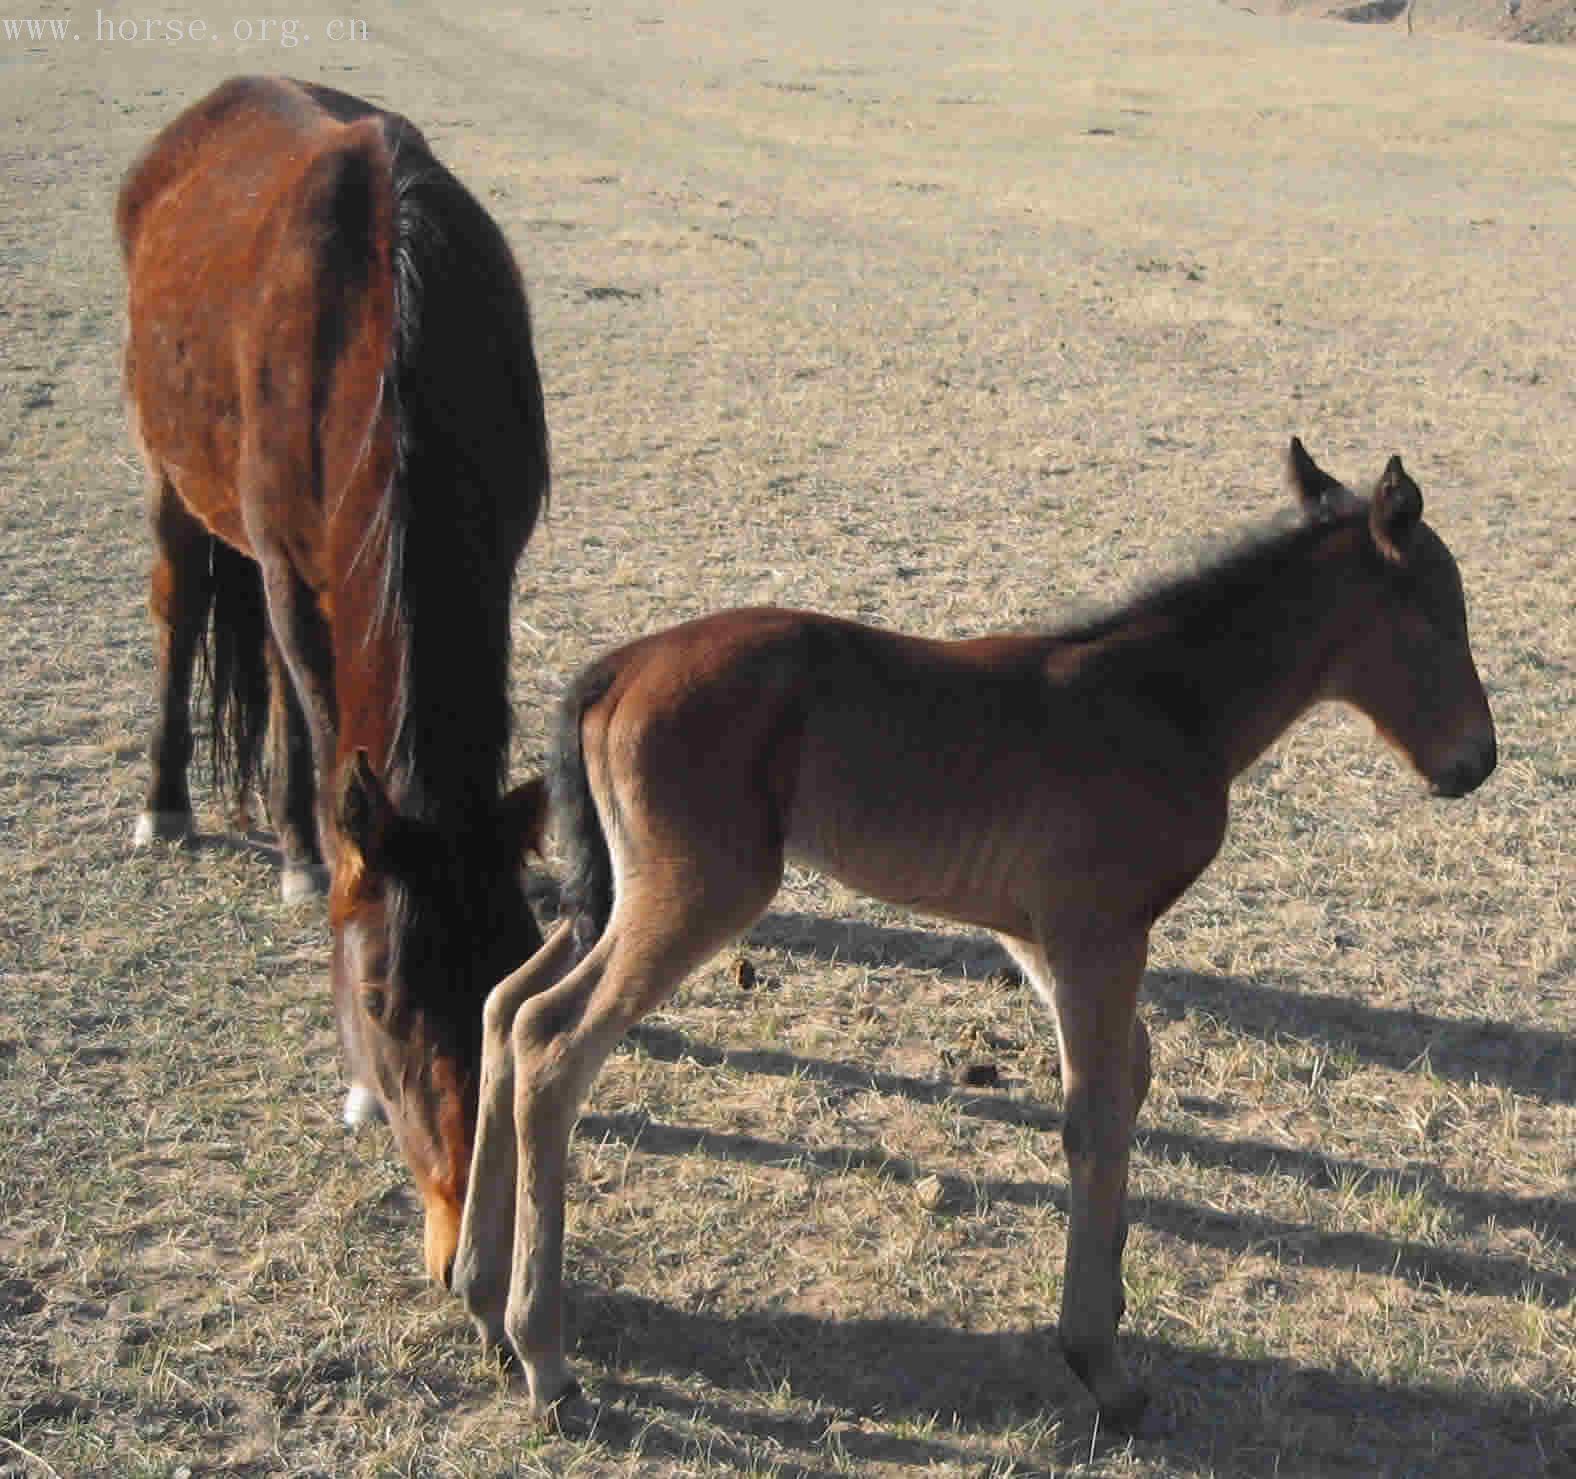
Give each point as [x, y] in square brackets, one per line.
[281, 31]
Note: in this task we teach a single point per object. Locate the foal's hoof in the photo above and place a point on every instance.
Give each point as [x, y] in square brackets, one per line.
[554, 1390]
[569, 1412]
[161, 826]
[301, 883]
[1130, 1415]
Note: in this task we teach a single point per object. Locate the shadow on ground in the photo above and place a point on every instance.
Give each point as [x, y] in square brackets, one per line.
[1527, 1060]
[1295, 1242]
[892, 1370]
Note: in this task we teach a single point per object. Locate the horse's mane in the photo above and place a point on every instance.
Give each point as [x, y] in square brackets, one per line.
[470, 477]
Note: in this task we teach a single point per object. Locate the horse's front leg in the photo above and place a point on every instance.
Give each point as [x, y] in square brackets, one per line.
[292, 788]
[301, 645]
[480, 1272]
[1091, 979]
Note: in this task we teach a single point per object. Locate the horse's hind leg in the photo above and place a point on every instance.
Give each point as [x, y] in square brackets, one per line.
[480, 1274]
[666, 923]
[292, 789]
[180, 597]
[1092, 984]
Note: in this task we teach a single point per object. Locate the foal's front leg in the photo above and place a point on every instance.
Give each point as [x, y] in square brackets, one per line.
[480, 1273]
[1092, 985]
[560, 1038]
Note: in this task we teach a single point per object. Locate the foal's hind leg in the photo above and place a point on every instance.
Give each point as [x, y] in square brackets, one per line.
[292, 789]
[664, 925]
[480, 1273]
[180, 595]
[1091, 980]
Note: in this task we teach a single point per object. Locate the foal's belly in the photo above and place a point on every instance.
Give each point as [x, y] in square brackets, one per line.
[971, 870]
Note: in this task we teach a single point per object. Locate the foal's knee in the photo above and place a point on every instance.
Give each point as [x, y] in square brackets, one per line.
[498, 1014]
[1095, 1127]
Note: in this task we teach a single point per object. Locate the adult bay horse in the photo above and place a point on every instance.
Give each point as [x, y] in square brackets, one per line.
[330, 372]
[1061, 790]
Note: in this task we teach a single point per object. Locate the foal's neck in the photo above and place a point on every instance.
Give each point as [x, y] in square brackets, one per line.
[1272, 660]
[1241, 654]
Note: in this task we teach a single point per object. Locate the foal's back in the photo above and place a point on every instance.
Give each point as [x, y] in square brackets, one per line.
[947, 777]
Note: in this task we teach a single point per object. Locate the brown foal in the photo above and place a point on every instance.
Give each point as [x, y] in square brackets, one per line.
[1061, 791]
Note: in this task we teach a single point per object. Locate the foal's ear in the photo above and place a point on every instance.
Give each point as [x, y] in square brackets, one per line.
[371, 830]
[522, 818]
[1395, 510]
[1318, 494]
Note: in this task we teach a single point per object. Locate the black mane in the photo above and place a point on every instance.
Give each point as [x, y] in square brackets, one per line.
[471, 477]
[1206, 594]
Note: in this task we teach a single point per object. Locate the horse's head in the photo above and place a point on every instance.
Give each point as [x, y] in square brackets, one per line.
[1410, 667]
[426, 922]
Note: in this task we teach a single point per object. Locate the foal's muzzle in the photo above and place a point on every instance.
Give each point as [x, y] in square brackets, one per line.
[1467, 774]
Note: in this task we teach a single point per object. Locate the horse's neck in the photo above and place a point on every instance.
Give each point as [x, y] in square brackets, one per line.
[427, 705]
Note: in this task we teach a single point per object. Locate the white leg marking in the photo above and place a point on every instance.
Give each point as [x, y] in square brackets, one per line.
[361, 1107]
[161, 826]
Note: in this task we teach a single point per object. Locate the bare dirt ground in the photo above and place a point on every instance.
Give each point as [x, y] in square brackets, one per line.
[952, 318]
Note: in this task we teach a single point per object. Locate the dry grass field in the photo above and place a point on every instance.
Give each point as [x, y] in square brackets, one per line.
[950, 317]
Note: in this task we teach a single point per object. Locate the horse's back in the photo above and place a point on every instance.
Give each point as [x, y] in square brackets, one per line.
[258, 235]
[230, 140]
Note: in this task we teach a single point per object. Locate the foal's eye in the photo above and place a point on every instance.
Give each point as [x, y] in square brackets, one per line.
[374, 1001]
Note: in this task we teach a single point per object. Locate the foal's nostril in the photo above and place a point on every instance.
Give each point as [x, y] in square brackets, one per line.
[448, 1274]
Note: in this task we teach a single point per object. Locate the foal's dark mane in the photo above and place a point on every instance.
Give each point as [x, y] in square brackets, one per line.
[1211, 591]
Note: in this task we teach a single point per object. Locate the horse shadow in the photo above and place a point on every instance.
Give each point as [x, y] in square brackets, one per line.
[1530, 1061]
[1236, 1232]
[915, 1393]
[936, 1394]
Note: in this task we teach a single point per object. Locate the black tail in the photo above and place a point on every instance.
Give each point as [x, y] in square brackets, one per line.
[588, 884]
[237, 669]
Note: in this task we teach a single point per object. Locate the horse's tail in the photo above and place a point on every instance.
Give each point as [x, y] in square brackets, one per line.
[237, 667]
[582, 833]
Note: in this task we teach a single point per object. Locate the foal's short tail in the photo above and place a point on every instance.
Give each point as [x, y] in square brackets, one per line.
[588, 884]
[237, 670]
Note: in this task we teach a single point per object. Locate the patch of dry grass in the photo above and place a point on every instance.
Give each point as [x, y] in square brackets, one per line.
[950, 322]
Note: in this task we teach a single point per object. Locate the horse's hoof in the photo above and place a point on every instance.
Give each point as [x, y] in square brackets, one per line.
[161, 826]
[361, 1107]
[301, 883]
